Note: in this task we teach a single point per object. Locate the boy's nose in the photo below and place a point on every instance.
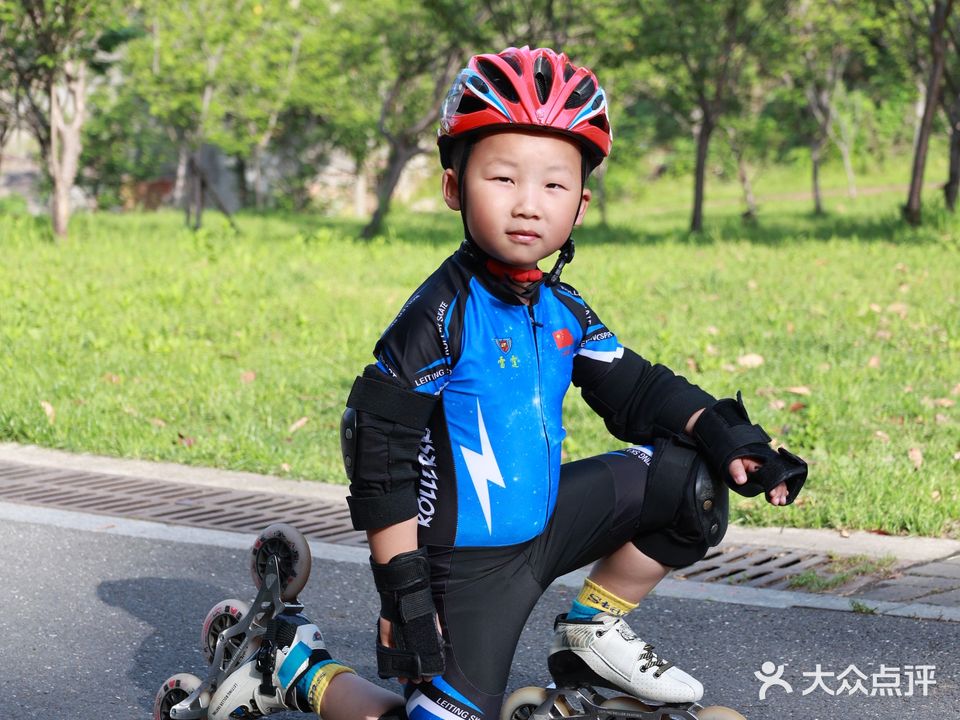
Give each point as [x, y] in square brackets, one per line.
[526, 204]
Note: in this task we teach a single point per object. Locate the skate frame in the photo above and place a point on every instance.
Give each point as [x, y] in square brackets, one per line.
[585, 702]
[266, 606]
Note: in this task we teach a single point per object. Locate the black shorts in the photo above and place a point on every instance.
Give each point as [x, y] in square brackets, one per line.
[484, 595]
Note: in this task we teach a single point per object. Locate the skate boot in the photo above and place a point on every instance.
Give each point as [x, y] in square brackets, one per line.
[605, 652]
[264, 682]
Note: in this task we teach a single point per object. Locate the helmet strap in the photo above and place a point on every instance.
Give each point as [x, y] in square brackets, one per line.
[462, 191]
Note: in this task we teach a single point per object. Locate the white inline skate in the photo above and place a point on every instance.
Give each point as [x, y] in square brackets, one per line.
[237, 685]
[604, 652]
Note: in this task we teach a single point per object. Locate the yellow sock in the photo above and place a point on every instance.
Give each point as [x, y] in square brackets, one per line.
[320, 677]
[595, 598]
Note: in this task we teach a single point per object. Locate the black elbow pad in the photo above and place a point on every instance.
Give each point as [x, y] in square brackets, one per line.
[380, 435]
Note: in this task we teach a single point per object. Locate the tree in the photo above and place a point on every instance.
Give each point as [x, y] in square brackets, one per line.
[9, 88]
[182, 67]
[827, 38]
[850, 107]
[259, 81]
[915, 20]
[416, 59]
[123, 144]
[937, 14]
[752, 137]
[951, 102]
[48, 48]
[695, 68]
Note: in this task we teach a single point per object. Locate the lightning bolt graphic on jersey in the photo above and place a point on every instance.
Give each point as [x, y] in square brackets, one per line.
[483, 468]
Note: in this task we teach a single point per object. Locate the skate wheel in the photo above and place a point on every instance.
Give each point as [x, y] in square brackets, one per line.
[625, 702]
[176, 689]
[222, 616]
[522, 703]
[293, 553]
[718, 712]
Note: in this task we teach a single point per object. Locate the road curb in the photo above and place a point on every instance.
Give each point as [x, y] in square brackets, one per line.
[173, 472]
[908, 551]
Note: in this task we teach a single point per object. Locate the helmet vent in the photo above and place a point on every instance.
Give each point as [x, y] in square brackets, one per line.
[600, 121]
[512, 61]
[470, 104]
[583, 92]
[479, 85]
[543, 77]
[568, 72]
[500, 81]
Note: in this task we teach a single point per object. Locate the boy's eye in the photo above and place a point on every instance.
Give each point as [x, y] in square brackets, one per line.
[503, 179]
[555, 186]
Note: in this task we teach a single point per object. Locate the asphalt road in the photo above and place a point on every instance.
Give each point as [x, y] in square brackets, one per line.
[93, 622]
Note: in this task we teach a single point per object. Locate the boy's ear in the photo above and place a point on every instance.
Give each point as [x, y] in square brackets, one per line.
[584, 204]
[450, 189]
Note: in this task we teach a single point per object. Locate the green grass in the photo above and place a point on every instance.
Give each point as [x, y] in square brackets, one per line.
[862, 608]
[146, 340]
[841, 570]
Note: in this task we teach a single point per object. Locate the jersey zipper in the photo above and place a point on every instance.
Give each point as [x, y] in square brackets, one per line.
[543, 421]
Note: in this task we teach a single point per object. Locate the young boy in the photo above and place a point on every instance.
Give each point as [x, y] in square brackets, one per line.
[452, 438]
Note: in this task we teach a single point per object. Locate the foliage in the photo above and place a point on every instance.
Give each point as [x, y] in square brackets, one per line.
[122, 143]
[288, 85]
[39, 38]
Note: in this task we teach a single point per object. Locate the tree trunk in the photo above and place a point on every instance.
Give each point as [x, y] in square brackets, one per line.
[6, 125]
[953, 179]
[189, 192]
[918, 107]
[243, 190]
[816, 148]
[179, 185]
[750, 214]
[400, 154]
[360, 189]
[197, 192]
[704, 131]
[257, 157]
[64, 157]
[938, 41]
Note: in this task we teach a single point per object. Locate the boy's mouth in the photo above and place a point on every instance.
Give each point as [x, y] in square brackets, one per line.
[523, 236]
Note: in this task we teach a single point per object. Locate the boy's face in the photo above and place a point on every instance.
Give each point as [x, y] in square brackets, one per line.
[523, 189]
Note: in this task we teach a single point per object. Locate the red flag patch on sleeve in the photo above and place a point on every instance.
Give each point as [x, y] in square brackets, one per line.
[562, 338]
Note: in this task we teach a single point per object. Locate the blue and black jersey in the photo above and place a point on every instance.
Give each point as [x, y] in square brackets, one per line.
[489, 461]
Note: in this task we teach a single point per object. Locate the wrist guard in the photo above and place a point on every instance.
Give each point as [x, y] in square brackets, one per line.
[724, 433]
[406, 601]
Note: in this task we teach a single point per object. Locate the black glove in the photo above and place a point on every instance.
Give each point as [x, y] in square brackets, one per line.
[724, 433]
[406, 601]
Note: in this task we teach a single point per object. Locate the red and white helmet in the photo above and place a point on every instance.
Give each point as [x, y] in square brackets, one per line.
[527, 89]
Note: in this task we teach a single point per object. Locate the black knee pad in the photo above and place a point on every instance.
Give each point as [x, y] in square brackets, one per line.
[688, 503]
[709, 503]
